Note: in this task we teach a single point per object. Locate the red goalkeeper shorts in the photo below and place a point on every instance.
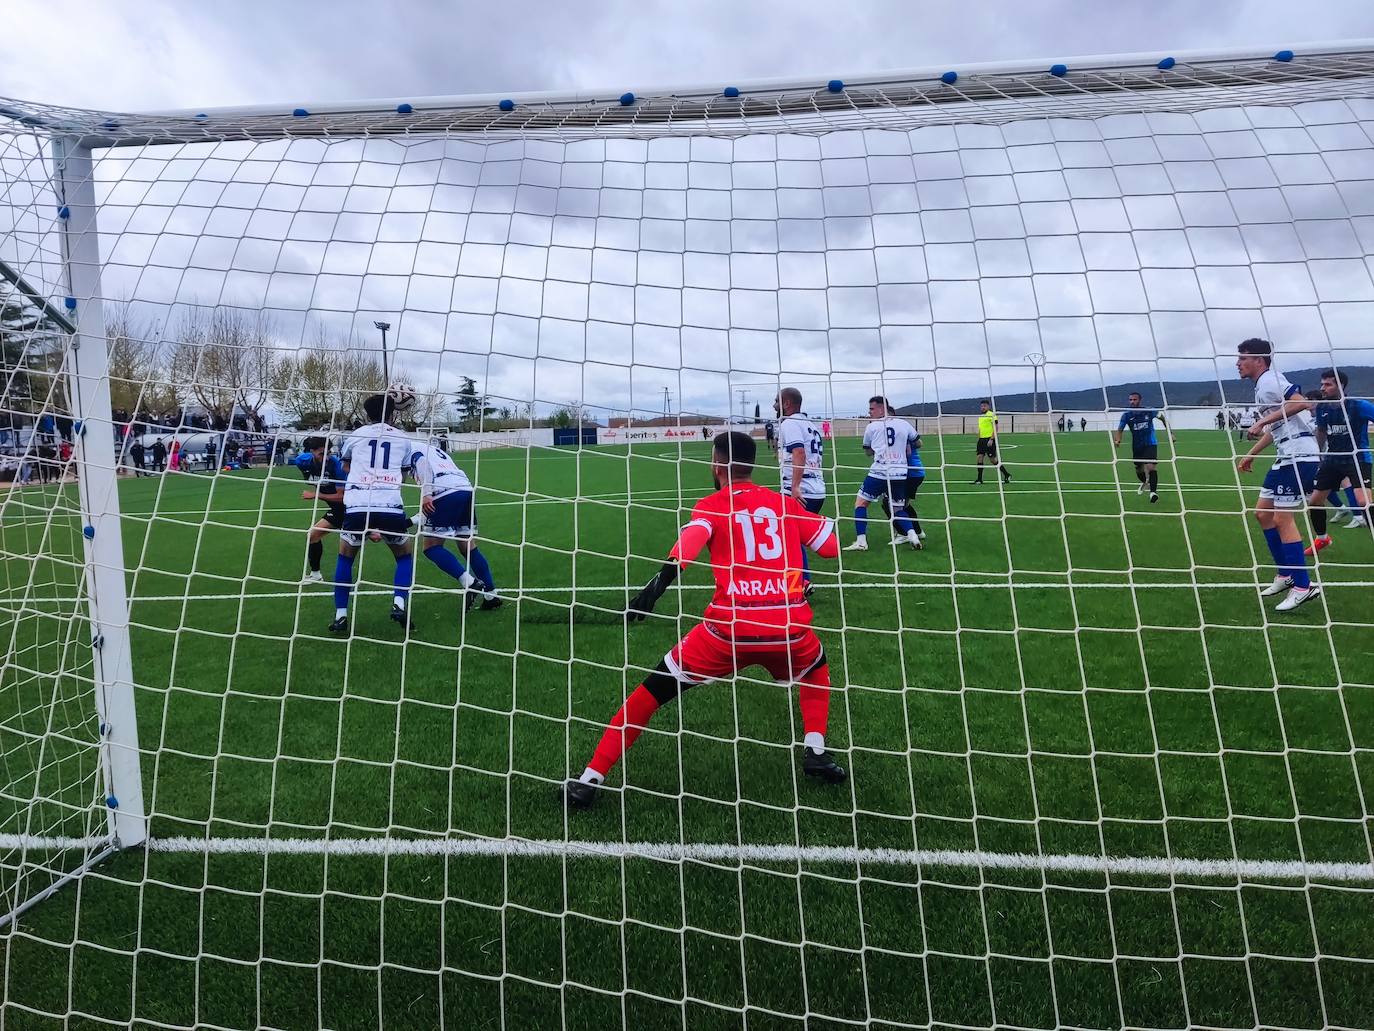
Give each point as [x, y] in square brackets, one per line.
[707, 654]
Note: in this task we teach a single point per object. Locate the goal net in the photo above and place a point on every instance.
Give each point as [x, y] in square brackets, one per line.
[1094, 778]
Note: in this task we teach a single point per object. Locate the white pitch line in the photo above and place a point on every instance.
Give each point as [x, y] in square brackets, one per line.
[321, 590]
[1146, 866]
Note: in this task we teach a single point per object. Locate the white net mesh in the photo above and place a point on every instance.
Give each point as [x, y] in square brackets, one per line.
[1094, 780]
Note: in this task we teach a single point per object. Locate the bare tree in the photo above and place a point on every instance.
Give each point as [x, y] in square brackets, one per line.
[326, 383]
[223, 357]
[140, 367]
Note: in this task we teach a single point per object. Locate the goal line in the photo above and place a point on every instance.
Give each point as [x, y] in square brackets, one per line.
[521, 848]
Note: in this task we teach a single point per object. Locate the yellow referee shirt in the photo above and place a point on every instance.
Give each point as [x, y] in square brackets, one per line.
[987, 424]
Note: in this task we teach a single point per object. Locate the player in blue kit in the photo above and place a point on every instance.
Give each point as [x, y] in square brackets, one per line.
[446, 500]
[1343, 430]
[375, 459]
[326, 473]
[1144, 444]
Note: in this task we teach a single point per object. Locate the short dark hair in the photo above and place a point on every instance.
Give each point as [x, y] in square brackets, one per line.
[878, 399]
[379, 408]
[985, 401]
[1337, 374]
[791, 394]
[738, 451]
[312, 444]
[1135, 393]
[1314, 395]
[1257, 347]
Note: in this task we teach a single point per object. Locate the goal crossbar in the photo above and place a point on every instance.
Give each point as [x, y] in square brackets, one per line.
[995, 92]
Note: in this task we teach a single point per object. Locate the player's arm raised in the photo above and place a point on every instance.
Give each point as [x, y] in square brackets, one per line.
[689, 544]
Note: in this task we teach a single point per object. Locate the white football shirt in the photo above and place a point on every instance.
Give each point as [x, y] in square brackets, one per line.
[1294, 438]
[377, 456]
[798, 431]
[437, 473]
[888, 439]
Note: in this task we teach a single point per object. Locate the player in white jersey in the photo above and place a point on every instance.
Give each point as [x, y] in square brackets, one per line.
[375, 460]
[446, 499]
[800, 450]
[888, 441]
[1284, 421]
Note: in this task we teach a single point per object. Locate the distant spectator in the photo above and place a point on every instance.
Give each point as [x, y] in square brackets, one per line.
[137, 456]
[159, 455]
[174, 456]
[1061, 424]
[1083, 423]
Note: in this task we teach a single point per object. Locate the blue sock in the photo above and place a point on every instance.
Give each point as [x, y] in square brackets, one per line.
[480, 569]
[806, 567]
[1350, 500]
[1294, 564]
[1275, 542]
[446, 560]
[901, 523]
[860, 520]
[405, 576]
[343, 581]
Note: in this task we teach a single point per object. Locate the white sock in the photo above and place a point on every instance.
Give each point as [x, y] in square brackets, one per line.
[341, 613]
[467, 580]
[815, 742]
[861, 537]
[398, 602]
[590, 776]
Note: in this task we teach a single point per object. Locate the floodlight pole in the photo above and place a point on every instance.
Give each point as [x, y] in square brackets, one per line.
[384, 326]
[1037, 362]
[88, 374]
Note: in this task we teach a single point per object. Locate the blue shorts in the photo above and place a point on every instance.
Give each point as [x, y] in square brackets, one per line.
[394, 527]
[452, 516]
[874, 488]
[1288, 486]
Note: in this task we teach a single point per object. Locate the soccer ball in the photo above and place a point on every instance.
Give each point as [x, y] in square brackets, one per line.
[401, 396]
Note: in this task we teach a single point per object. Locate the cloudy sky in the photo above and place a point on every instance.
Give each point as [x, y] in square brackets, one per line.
[931, 260]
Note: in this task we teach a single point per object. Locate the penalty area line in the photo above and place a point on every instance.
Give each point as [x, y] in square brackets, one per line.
[1143, 866]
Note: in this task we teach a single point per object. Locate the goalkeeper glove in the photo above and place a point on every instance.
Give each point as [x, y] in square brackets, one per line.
[643, 602]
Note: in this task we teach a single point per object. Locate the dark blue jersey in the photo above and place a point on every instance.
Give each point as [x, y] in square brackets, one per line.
[1346, 425]
[1141, 423]
[327, 476]
[914, 465]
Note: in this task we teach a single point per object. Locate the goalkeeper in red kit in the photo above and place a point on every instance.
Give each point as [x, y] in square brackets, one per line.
[759, 615]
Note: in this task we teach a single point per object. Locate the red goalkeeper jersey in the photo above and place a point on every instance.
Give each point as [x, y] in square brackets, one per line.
[756, 536]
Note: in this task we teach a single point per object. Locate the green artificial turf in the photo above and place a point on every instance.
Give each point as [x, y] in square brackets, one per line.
[1035, 681]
